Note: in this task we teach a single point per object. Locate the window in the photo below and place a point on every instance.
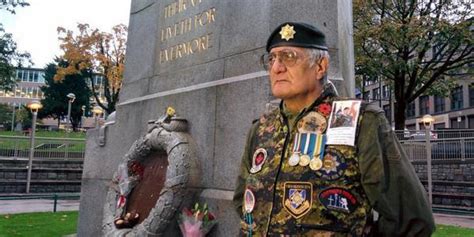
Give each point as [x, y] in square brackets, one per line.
[376, 94]
[438, 104]
[19, 75]
[456, 98]
[424, 102]
[386, 92]
[388, 112]
[30, 76]
[438, 126]
[410, 112]
[471, 122]
[367, 95]
[457, 122]
[25, 76]
[35, 76]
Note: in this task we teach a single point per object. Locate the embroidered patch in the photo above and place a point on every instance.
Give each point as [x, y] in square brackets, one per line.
[298, 198]
[333, 167]
[338, 199]
[259, 157]
[313, 122]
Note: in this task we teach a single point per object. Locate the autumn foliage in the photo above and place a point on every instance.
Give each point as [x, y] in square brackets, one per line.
[90, 52]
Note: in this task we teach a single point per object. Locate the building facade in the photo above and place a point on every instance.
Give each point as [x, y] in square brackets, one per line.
[455, 111]
[28, 88]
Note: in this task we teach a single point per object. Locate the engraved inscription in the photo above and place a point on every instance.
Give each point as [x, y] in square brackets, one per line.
[184, 26]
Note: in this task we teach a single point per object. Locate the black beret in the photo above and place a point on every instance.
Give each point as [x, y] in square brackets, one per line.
[297, 34]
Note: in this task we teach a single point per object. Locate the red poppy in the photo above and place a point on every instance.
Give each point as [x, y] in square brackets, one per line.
[325, 109]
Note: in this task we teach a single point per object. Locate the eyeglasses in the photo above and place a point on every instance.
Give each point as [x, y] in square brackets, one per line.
[286, 57]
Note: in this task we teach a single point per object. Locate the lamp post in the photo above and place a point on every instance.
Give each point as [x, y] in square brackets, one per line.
[13, 116]
[83, 108]
[34, 106]
[427, 122]
[97, 110]
[71, 97]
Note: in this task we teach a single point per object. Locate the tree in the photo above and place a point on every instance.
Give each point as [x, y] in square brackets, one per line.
[95, 52]
[55, 102]
[414, 45]
[6, 112]
[9, 58]
[10, 5]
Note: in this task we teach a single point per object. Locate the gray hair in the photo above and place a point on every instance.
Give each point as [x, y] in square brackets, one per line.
[315, 56]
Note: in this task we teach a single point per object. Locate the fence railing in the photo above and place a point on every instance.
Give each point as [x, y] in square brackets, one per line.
[445, 144]
[45, 147]
[55, 197]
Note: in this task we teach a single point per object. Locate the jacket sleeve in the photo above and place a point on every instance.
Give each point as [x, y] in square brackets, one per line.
[390, 181]
[245, 166]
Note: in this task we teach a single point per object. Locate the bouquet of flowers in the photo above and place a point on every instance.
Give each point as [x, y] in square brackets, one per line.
[196, 222]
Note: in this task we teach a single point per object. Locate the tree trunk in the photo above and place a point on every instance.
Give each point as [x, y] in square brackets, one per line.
[400, 108]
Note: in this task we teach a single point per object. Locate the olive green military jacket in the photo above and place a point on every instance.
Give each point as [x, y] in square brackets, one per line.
[385, 179]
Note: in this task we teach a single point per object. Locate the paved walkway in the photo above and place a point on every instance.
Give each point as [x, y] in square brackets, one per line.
[461, 221]
[36, 205]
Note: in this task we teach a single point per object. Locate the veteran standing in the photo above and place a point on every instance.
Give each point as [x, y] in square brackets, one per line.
[300, 177]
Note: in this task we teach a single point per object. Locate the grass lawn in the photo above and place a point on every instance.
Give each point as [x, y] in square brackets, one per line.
[22, 141]
[39, 224]
[48, 224]
[452, 231]
[40, 133]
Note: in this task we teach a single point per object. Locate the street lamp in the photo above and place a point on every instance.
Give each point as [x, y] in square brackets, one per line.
[83, 117]
[13, 116]
[427, 122]
[97, 110]
[71, 97]
[34, 106]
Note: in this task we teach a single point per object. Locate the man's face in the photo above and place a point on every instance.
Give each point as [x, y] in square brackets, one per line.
[294, 82]
[346, 111]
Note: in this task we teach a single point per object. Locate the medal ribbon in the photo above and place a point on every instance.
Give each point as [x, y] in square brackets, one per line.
[296, 144]
[312, 140]
[320, 145]
[304, 141]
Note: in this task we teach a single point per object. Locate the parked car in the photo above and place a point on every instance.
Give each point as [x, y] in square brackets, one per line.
[421, 135]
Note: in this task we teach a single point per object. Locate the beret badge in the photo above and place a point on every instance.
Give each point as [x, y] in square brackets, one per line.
[287, 32]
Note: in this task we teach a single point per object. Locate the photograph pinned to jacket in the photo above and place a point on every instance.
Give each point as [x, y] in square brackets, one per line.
[343, 122]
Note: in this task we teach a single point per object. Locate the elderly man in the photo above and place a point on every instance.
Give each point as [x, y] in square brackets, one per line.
[300, 177]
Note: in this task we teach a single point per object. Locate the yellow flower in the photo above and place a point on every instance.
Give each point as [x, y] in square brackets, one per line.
[170, 111]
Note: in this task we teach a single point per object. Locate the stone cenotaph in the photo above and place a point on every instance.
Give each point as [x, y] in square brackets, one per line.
[202, 58]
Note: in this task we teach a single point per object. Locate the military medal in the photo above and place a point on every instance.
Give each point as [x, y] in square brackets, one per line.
[315, 164]
[258, 159]
[295, 157]
[305, 158]
[249, 201]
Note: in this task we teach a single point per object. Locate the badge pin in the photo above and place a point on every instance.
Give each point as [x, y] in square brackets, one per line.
[249, 201]
[287, 32]
[313, 122]
[259, 157]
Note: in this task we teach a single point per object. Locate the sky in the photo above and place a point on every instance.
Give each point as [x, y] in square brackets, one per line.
[34, 27]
